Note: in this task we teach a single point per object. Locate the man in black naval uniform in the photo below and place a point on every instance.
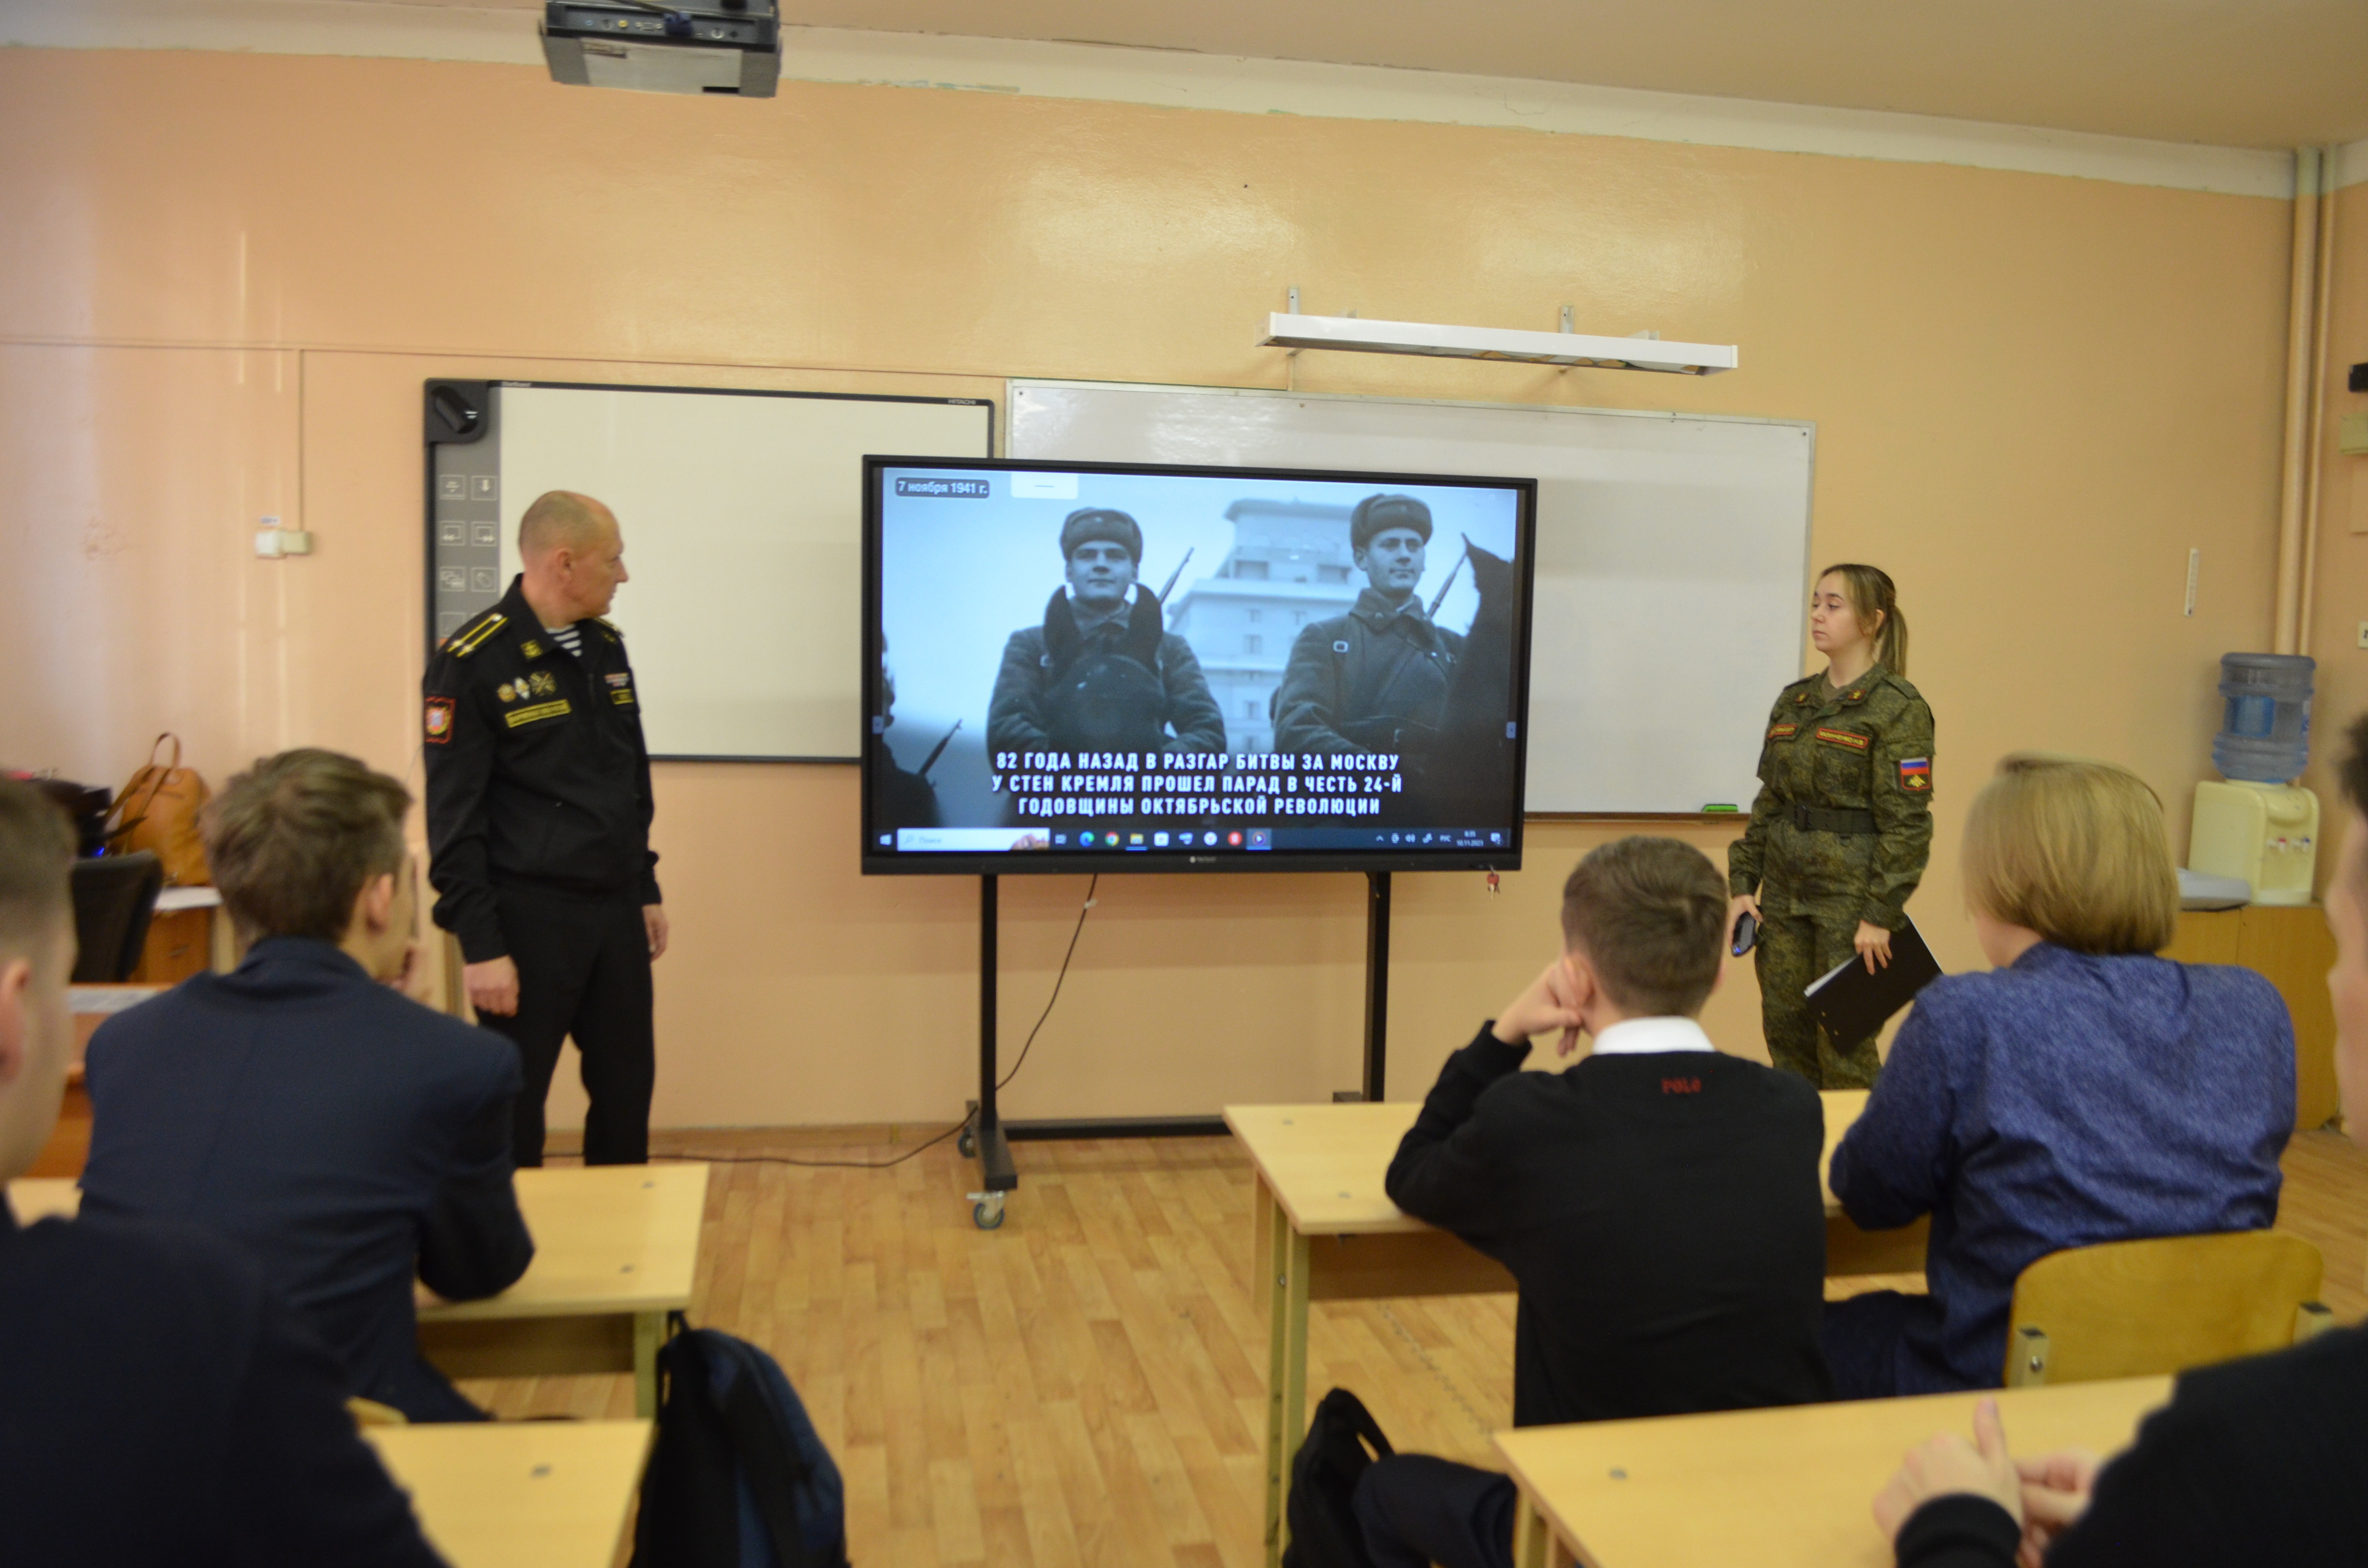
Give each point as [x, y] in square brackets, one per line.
[1374, 680]
[539, 827]
[1102, 672]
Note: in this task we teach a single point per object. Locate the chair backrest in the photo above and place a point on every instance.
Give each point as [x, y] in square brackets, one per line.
[370, 1413]
[2139, 1309]
[114, 898]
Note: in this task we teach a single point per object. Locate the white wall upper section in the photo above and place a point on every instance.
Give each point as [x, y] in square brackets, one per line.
[1174, 79]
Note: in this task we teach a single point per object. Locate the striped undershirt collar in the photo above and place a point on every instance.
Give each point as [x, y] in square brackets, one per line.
[570, 637]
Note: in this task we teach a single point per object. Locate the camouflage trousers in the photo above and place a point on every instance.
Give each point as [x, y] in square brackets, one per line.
[1794, 951]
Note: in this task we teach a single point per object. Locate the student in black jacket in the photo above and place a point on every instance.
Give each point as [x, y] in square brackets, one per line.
[158, 1407]
[1658, 1202]
[351, 1140]
[2257, 1460]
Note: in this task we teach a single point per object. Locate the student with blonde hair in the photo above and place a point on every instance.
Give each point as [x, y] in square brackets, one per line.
[2082, 1091]
[2255, 1461]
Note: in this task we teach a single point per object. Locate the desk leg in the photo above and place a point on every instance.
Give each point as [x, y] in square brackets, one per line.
[649, 1333]
[1530, 1535]
[1284, 1262]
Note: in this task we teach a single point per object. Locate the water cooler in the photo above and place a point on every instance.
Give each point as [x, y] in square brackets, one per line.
[2258, 827]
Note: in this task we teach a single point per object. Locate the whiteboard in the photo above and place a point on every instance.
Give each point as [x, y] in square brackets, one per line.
[743, 520]
[1672, 560]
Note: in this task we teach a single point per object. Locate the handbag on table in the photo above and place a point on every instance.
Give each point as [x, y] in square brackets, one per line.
[157, 810]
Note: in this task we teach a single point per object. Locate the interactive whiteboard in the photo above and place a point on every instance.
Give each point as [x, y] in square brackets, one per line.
[1672, 557]
[742, 515]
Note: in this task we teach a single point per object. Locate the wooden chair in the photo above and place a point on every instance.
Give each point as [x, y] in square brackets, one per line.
[370, 1413]
[2137, 1309]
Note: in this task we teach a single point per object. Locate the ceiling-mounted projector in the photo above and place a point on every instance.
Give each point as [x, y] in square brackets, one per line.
[725, 47]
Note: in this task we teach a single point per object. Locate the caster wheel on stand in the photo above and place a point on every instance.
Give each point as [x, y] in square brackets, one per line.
[967, 1142]
[986, 1211]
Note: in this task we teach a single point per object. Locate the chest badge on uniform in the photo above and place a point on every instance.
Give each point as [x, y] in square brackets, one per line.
[518, 716]
[1849, 738]
[531, 648]
[1783, 731]
[439, 720]
[1916, 773]
[543, 683]
[507, 692]
[617, 677]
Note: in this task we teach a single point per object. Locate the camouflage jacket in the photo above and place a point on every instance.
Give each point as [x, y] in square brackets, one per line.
[1867, 747]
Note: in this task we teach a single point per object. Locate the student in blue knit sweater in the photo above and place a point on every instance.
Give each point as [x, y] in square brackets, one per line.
[2082, 1091]
[2256, 1462]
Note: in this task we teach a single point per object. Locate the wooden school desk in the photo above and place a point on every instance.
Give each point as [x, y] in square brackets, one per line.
[1326, 1231]
[616, 1248]
[520, 1494]
[1771, 1488]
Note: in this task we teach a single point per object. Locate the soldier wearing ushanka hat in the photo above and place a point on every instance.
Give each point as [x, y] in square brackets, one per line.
[1374, 680]
[1102, 672]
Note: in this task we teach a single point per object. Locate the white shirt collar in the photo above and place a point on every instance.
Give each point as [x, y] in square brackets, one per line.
[1637, 1036]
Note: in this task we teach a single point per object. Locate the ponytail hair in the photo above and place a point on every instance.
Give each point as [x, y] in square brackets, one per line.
[1875, 601]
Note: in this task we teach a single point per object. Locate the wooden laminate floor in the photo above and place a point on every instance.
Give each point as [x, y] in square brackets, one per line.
[1086, 1385]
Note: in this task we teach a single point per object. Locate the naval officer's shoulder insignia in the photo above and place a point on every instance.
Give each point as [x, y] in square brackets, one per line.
[475, 635]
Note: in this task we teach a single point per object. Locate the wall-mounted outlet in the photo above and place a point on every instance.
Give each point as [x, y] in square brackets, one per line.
[272, 542]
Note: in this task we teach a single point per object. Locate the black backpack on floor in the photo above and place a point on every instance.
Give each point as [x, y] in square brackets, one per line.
[738, 1478]
[1324, 1532]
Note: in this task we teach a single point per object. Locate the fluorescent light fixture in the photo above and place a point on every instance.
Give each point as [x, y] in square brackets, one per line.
[1284, 330]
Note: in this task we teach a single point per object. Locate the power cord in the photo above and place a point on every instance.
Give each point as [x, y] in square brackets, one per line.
[1082, 910]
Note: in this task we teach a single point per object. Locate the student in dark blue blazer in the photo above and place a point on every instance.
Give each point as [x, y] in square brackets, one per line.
[351, 1139]
[159, 1406]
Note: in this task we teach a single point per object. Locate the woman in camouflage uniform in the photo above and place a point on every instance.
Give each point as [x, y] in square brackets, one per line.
[1843, 824]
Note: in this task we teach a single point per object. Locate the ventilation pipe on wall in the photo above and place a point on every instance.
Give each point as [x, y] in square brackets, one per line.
[2304, 343]
[2322, 305]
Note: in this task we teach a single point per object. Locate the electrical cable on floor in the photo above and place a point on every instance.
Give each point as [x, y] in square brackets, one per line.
[1082, 910]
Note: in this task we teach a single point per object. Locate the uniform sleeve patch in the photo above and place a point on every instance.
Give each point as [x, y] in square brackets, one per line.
[1916, 773]
[1783, 731]
[1849, 738]
[439, 720]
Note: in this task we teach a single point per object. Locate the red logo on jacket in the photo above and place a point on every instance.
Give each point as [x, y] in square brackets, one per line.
[1681, 1085]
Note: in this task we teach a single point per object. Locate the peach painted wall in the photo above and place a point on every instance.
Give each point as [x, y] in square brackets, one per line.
[2340, 592]
[223, 277]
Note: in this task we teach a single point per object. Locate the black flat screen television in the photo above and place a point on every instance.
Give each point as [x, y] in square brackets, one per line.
[1131, 667]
